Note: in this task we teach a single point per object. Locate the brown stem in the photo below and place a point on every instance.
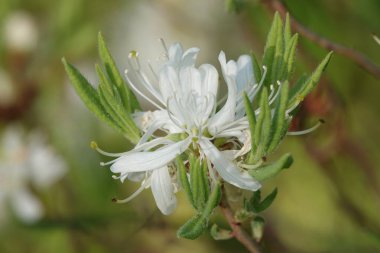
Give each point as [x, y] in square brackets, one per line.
[237, 230]
[357, 57]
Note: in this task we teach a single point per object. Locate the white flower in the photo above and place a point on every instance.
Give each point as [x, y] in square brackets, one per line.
[20, 32]
[22, 163]
[186, 100]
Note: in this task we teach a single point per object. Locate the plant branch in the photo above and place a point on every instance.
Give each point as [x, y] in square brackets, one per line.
[237, 230]
[357, 57]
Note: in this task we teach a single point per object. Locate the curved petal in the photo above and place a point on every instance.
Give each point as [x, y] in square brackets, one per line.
[189, 57]
[226, 169]
[149, 160]
[163, 190]
[175, 52]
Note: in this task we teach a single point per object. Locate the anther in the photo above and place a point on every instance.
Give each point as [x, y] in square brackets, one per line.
[93, 145]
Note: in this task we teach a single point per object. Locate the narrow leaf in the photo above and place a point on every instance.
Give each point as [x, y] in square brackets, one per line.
[183, 179]
[256, 68]
[270, 170]
[266, 202]
[193, 228]
[289, 54]
[302, 89]
[287, 29]
[270, 46]
[279, 117]
[130, 102]
[87, 93]
[315, 76]
[251, 120]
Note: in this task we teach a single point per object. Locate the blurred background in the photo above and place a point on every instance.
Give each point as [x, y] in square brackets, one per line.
[54, 195]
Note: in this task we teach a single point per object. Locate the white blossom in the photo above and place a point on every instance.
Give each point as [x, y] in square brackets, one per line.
[185, 98]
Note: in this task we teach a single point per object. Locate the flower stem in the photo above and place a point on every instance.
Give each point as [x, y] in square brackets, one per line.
[237, 231]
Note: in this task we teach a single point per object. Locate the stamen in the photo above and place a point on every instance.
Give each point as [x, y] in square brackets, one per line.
[152, 70]
[261, 82]
[137, 192]
[320, 122]
[140, 93]
[164, 45]
[277, 93]
[94, 145]
[250, 166]
[291, 109]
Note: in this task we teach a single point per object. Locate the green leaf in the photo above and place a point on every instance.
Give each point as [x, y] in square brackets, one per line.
[195, 182]
[262, 129]
[295, 90]
[266, 127]
[263, 205]
[218, 233]
[205, 182]
[256, 68]
[87, 93]
[287, 29]
[251, 120]
[129, 100]
[311, 82]
[270, 46]
[315, 76]
[278, 55]
[183, 179]
[289, 55]
[112, 103]
[279, 117]
[194, 227]
[270, 170]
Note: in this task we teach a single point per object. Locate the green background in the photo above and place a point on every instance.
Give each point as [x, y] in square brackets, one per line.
[329, 201]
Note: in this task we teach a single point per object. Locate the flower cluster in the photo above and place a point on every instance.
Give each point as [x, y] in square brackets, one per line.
[194, 138]
[185, 97]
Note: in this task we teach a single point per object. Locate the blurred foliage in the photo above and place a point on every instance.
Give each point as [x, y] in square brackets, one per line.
[328, 202]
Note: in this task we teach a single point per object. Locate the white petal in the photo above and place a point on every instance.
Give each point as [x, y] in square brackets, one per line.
[190, 81]
[226, 169]
[189, 57]
[26, 206]
[163, 190]
[244, 76]
[168, 83]
[227, 113]
[136, 176]
[209, 79]
[149, 160]
[175, 52]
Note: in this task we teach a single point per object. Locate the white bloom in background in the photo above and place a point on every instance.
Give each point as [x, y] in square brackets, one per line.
[185, 98]
[20, 32]
[25, 161]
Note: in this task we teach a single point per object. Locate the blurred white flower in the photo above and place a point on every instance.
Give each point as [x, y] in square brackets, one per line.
[20, 32]
[25, 161]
